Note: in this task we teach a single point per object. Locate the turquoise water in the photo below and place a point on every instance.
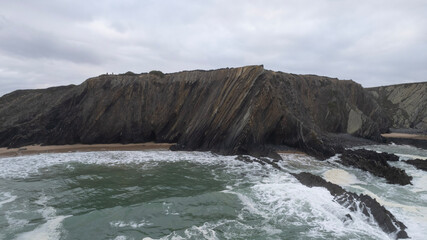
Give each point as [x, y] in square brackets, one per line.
[193, 195]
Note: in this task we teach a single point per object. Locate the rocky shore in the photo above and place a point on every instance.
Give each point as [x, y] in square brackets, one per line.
[369, 206]
[418, 163]
[354, 202]
[242, 111]
[376, 163]
[228, 111]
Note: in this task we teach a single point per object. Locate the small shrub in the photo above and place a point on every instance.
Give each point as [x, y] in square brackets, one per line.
[157, 73]
[129, 73]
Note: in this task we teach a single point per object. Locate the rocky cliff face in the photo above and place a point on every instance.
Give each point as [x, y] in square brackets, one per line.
[404, 104]
[225, 110]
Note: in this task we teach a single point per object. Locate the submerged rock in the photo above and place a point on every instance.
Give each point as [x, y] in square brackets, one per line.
[354, 202]
[418, 163]
[376, 163]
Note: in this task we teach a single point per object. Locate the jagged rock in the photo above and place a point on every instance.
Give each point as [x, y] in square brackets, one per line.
[418, 163]
[227, 111]
[248, 159]
[376, 163]
[376, 156]
[404, 104]
[386, 220]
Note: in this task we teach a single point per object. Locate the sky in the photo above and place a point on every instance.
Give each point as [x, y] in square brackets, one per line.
[60, 42]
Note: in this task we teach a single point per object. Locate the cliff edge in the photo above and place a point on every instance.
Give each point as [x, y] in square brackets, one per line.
[229, 111]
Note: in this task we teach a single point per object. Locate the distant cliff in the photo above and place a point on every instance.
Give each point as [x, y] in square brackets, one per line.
[405, 104]
[227, 110]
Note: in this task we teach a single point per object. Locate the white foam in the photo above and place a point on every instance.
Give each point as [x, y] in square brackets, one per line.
[340, 177]
[282, 200]
[120, 238]
[420, 184]
[414, 217]
[13, 222]
[206, 231]
[51, 229]
[413, 214]
[7, 198]
[131, 224]
[410, 156]
[301, 162]
[275, 197]
[25, 166]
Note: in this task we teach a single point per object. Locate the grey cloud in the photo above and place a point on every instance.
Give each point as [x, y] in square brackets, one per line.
[29, 43]
[376, 43]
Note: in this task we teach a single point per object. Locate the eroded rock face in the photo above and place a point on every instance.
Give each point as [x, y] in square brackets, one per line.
[376, 163]
[404, 104]
[225, 110]
[386, 220]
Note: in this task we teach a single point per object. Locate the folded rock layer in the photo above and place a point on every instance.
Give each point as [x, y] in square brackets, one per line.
[226, 110]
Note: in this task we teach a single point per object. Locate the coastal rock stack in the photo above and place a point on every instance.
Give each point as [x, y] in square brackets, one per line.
[227, 110]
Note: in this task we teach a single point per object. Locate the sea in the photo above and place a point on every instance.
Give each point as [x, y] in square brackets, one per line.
[197, 195]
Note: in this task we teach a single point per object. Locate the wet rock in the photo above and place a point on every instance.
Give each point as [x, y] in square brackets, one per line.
[376, 156]
[376, 163]
[419, 143]
[418, 163]
[354, 202]
[348, 218]
[248, 159]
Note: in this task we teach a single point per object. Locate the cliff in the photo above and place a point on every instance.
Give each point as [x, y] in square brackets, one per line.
[404, 104]
[227, 110]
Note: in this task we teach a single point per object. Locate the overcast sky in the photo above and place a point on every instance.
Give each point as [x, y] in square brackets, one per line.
[58, 42]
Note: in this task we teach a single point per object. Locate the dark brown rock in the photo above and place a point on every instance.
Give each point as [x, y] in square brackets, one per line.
[418, 163]
[404, 104]
[376, 163]
[227, 110]
[386, 220]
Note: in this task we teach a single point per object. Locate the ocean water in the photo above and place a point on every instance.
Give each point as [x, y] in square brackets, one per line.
[195, 195]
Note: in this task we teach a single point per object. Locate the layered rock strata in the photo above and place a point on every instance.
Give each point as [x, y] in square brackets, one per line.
[404, 104]
[227, 110]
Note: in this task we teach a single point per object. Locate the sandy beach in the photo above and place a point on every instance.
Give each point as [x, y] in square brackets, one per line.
[405, 135]
[37, 149]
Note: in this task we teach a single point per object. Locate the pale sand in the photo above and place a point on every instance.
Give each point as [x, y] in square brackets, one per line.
[291, 152]
[36, 149]
[405, 135]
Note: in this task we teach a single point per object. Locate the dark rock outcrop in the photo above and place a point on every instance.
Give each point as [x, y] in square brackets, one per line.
[404, 104]
[413, 141]
[376, 163]
[367, 205]
[227, 110]
[418, 163]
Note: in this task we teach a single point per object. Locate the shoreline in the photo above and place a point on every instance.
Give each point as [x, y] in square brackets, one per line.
[38, 149]
[405, 136]
[416, 140]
